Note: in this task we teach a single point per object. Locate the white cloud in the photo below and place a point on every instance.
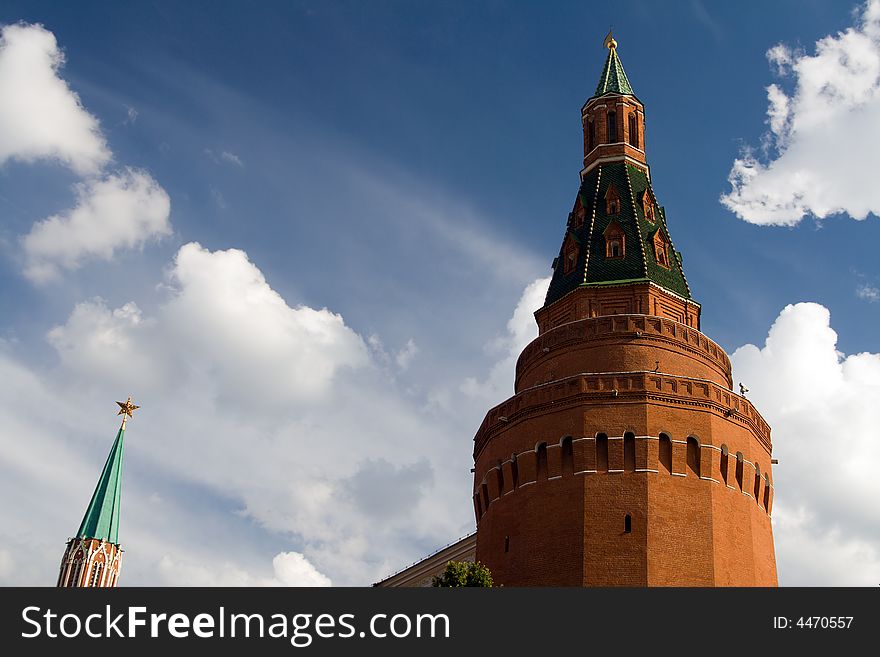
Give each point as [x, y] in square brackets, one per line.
[231, 158]
[224, 320]
[290, 569]
[406, 355]
[123, 210]
[521, 329]
[96, 341]
[224, 157]
[823, 146]
[868, 292]
[40, 116]
[131, 115]
[257, 347]
[821, 406]
[279, 408]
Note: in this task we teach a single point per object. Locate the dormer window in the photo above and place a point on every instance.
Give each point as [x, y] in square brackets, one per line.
[633, 130]
[570, 252]
[612, 201]
[612, 127]
[661, 250]
[615, 241]
[579, 212]
[648, 205]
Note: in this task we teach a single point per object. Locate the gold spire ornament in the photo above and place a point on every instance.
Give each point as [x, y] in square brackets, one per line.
[609, 42]
[126, 409]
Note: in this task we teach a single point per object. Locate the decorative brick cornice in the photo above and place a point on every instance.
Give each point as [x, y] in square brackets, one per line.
[635, 328]
[622, 388]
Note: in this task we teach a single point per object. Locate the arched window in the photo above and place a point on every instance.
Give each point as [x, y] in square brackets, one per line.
[633, 130]
[648, 205]
[591, 131]
[579, 212]
[629, 451]
[666, 453]
[612, 201]
[484, 489]
[77, 572]
[478, 506]
[725, 460]
[96, 574]
[507, 543]
[739, 470]
[499, 479]
[627, 524]
[766, 493]
[570, 251]
[612, 127]
[541, 450]
[661, 254]
[602, 452]
[514, 472]
[567, 455]
[757, 484]
[693, 456]
[570, 260]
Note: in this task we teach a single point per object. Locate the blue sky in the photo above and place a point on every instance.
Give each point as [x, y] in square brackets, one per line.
[407, 166]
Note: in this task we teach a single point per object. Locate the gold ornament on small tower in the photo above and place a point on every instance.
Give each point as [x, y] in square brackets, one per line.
[126, 409]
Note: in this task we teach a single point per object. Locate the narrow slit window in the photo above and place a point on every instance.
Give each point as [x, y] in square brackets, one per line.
[612, 127]
[542, 461]
[725, 461]
[629, 452]
[567, 455]
[633, 130]
[693, 456]
[602, 453]
[666, 453]
[627, 524]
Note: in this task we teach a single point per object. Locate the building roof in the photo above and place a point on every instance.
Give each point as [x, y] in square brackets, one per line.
[101, 520]
[639, 262]
[613, 79]
[422, 572]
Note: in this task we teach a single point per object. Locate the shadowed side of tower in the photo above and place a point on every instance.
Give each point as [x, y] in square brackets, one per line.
[624, 457]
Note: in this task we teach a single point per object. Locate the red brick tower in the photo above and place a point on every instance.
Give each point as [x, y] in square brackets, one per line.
[624, 458]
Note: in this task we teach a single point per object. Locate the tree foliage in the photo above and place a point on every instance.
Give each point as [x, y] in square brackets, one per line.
[464, 573]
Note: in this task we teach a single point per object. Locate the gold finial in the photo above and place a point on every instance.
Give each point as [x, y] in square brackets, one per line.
[610, 43]
[126, 408]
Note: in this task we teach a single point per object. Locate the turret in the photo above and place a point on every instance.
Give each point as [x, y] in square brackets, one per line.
[93, 557]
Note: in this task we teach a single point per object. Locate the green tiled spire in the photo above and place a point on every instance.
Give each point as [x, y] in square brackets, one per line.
[101, 520]
[639, 264]
[102, 516]
[613, 79]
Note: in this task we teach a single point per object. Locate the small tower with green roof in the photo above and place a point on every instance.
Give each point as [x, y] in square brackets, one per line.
[93, 557]
[617, 255]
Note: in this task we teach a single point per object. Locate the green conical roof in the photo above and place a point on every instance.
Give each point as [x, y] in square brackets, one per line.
[639, 263]
[102, 516]
[613, 79]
